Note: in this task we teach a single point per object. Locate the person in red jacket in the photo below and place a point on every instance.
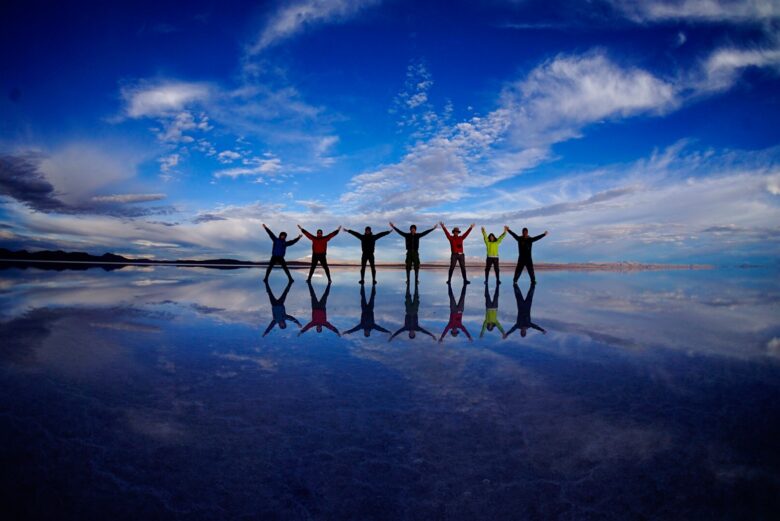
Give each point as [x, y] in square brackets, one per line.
[319, 250]
[456, 246]
[319, 312]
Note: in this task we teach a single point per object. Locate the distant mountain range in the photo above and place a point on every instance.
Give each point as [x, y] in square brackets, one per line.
[108, 258]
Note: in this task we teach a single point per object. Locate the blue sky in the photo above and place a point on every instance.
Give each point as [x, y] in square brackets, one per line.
[642, 130]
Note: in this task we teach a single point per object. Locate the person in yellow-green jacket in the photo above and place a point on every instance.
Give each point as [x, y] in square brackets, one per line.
[491, 313]
[492, 243]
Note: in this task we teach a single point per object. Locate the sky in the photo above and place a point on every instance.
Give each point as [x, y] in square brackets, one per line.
[631, 130]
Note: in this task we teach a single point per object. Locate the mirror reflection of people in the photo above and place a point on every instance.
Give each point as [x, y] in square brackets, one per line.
[319, 250]
[523, 320]
[368, 245]
[280, 316]
[491, 245]
[280, 245]
[457, 256]
[367, 323]
[524, 259]
[411, 322]
[412, 239]
[456, 315]
[319, 312]
[491, 312]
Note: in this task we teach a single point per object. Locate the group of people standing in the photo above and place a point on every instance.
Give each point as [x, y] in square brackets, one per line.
[319, 248]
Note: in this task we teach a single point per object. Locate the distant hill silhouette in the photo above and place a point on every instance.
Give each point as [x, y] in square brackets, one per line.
[108, 259]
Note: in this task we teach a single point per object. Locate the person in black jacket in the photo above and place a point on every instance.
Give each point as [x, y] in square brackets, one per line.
[368, 245]
[413, 249]
[411, 322]
[524, 259]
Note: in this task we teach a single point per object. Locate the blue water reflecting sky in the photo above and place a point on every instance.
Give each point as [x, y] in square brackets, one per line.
[154, 391]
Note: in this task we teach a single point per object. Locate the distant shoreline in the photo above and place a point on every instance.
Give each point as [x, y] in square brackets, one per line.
[575, 266]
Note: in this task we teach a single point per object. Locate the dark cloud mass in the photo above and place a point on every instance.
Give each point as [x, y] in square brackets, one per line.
[21, 180]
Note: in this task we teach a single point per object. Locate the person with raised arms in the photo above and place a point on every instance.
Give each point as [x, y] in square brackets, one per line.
[491, 313]
[319, 250]
[491, 244]
[456, 251]
[277, 252]
[524, 259]
[368, 245]
[413, 249]
[411, 320]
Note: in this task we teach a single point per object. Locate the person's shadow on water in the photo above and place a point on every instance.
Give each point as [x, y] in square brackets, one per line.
[456, 314]
[367, 323]
[319, 312]
[411, 322]
[523, 320]
[280, 316]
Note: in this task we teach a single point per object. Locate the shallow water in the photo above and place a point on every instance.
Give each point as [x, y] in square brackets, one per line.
[148, 393]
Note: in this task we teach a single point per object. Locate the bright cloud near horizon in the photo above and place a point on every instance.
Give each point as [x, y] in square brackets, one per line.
[641, 130]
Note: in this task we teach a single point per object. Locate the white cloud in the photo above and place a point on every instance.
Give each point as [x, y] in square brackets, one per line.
[81, 168]
[292, 18]
[127, 198]
[723, 66]
[165, 98]
[553, 103]
[255, 166]
[168, 163]
[174, 127]
[228, 156]
[699, 10]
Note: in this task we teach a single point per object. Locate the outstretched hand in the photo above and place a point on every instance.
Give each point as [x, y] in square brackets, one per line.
[392, 225]
[299, 227]
[506, 228]
[545, 232]
[472, 225]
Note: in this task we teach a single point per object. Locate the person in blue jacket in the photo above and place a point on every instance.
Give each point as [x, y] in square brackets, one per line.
[277, 253]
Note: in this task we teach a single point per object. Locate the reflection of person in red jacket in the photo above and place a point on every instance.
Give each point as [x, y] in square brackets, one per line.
[319, 312]
[456, 245]
[319, 250]
[456, 315]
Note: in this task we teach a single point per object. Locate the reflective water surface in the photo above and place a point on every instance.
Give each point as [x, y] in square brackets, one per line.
[162, 392]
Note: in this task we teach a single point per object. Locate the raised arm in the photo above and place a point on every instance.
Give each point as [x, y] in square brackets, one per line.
[404, 328]
[270, 233]
[292, 318]
[484, 235]
[399, 232]
[542, 236]
[333, 233]
[332, 328]
[501, 237]
[306, 233]
[467, 332]
[306, 328]
[270, 327]
[468, 231]
[513, 234]
[379, 235]
[444, 333]
[358, 236]
[426, 232]
[350, 331]
[444, 229]
[290, 243]
[380, 328]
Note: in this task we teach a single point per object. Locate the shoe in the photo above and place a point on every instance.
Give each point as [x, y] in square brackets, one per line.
[329, 281]
[533, 282]
[498, 281]
[291, 280]
[308, 280]
[467, 281]
[374, 281]
[449, 281]
[361, 281]
[265, 279]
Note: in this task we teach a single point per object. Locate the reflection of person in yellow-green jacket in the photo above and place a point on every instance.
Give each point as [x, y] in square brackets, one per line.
[492, 243]
[491, 313]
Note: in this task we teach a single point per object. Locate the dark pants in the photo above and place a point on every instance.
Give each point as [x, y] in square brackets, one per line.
[367, 258]
[276, 259]
[491, 261]
[412, 261]
[457, 258]
[322, 259]
[525, 263]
